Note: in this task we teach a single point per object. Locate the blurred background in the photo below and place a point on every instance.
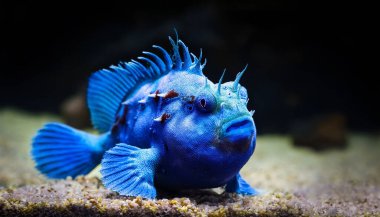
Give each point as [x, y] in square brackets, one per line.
[308, 72]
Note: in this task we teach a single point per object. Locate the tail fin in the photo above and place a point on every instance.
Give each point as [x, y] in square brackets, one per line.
[60, 151]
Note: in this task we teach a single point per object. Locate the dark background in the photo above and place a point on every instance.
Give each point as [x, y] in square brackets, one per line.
[304, 61]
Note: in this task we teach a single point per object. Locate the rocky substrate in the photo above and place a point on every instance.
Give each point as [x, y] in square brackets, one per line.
[87, 197]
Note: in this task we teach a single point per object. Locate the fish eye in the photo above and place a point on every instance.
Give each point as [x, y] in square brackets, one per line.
[205, 102]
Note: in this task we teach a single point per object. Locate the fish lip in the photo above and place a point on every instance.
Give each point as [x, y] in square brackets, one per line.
[239, 123]
[237, 134]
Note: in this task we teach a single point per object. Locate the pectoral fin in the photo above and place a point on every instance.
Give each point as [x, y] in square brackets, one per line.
[240, 186]
[129, 170]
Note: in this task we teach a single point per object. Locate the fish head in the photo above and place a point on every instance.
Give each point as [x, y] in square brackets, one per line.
[213, 117]
[236, 128]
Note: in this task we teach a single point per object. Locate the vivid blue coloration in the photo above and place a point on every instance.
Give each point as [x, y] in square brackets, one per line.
[164, 125]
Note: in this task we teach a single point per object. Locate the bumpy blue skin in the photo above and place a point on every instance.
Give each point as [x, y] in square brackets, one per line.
[164, 125]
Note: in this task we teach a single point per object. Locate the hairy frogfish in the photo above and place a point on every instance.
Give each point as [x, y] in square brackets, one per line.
[162, 124]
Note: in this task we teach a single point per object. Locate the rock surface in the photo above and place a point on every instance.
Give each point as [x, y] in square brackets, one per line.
[296, 181]
[322, 132]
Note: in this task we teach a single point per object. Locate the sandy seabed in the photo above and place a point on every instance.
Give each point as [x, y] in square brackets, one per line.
[295, 181]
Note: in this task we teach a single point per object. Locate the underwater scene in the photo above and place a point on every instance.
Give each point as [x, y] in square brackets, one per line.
[187, 109]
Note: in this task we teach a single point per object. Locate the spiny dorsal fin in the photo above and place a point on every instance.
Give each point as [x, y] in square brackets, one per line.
[108, 88]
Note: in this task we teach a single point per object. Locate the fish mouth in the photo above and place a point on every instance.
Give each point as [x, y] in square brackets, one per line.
[237, 134]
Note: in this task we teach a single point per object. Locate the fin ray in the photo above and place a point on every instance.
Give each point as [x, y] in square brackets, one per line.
[60, 151]
[240, 186]
[108, 88]
[129, 170]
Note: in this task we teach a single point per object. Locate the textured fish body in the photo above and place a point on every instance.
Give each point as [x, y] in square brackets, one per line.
[164, 124]
[182, 165]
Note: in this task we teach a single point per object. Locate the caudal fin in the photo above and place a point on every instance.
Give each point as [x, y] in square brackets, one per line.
[60, 151]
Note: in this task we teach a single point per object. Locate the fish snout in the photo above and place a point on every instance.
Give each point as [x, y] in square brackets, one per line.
[237, 134]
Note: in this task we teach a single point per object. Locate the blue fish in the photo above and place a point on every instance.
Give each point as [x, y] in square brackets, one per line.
[162, 124]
